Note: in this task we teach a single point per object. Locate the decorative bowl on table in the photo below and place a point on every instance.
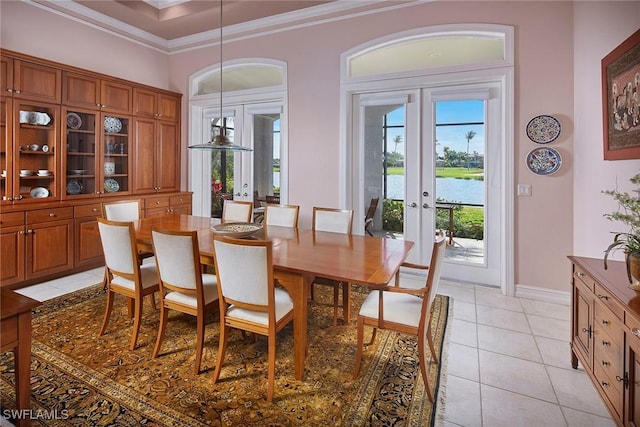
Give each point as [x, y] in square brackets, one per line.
[237, 230]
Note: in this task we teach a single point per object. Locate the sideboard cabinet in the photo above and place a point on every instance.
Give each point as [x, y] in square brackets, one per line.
[606, 334]
[71, 140]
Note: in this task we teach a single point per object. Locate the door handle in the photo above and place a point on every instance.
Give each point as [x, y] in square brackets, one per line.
[426, 206]
[413, 205]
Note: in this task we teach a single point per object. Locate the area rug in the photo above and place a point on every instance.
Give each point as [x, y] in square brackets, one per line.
[78, 378]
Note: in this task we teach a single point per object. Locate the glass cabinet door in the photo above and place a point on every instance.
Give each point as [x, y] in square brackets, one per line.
[6, 137]
[35, 151]
[80, 161]
[115, 155]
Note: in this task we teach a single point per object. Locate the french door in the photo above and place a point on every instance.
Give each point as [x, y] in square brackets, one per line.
[401, 148]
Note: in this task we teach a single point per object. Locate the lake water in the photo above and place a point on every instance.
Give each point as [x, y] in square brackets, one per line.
[450, 189]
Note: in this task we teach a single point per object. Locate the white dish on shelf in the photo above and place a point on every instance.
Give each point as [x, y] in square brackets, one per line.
[25, 172]
[74, 187]
[34, 118]
[78, 171]
[43, 172]
[39, 192]
[74, 121]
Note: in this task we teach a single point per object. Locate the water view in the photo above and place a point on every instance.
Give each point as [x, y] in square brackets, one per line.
[469, 191]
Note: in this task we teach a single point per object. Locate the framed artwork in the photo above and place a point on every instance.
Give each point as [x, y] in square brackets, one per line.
[621, 100]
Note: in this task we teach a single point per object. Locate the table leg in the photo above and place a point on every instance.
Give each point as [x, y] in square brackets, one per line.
[298, 287]
[22, 360]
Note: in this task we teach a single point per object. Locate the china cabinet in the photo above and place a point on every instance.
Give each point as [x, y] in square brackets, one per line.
[71, 139]
[606, 335]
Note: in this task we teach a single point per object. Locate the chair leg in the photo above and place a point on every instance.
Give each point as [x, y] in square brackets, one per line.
[199, 342]
[222, 346]
[271, 367]
[311, 293]
[360, 336]
[431, 346]
[346, 302]
[423, 368]
[164, 312]
[137, 319]
[373, 336]
[153, 300]
[107, 312]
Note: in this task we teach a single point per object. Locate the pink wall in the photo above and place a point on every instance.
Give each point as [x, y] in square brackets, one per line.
[564, 213]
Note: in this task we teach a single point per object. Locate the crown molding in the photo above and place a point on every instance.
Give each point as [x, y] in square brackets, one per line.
[328, 12]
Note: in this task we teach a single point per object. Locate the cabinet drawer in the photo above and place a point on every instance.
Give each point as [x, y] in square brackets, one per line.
[11, 219]
[180, 200]
[607, 299]
[606, 321]
[156, 202]
[583, 277]
[43, 215]
[84, 211]
[612, 389]
[607, 355]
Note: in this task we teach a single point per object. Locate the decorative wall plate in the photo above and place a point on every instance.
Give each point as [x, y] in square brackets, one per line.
[74, 121]
[74, 187]
[112, 124]
[544, 161]
[111, 185]
[543, 129]
[39, 192]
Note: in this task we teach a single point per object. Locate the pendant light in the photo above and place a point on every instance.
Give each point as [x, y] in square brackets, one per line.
[220, 141]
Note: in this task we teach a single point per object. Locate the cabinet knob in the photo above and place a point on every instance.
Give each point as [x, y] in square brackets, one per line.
[605, 322]
[52, 215]
[604, 297]
[580, 274]
[30, 232]
[604, 383]
[9, 90]
[157, 202]
[94, 210]
[606, 343]
[18, 197]
[18, 91]
[605, 363]
[636, 332]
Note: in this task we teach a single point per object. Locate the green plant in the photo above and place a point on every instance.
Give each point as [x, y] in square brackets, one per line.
[629, 214]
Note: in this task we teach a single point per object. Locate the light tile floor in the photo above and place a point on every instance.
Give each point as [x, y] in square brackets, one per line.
[508, 359]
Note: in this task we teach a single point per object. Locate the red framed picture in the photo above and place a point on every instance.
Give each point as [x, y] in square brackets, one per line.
[621, 100]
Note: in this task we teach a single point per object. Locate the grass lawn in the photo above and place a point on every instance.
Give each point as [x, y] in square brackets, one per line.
[463, 173]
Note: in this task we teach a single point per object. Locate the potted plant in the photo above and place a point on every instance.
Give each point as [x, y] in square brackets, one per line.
[629, 241]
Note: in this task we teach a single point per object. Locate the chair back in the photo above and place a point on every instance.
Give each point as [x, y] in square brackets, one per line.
[433, 277]
[237, 211]
[125, 210]
[371, 211]
[245, 271]
[332, 220]
[177, 258]
[281, 215]
[119, 246]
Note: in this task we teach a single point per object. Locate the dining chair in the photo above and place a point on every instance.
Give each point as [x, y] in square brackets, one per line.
[334, 221]
[124, 273]
[371, 212]
[237, 211]
[405, 310]
[183, 285]
[281, 215]
[249, 299]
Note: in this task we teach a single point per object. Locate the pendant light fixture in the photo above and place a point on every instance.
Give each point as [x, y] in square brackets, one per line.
[220, 141]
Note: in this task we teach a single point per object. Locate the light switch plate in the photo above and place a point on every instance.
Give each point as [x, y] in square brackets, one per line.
[524, 190]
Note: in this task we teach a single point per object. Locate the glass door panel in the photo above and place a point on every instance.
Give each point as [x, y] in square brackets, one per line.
[266, 158]
[114, 154]
[36, 162]
[6, 137]
[80, 160]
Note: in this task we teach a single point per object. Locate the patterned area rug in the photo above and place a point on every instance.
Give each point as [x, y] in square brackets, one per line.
[81, 379]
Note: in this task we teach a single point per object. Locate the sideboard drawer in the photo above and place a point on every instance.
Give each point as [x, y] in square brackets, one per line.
[11, 219]
[156, 202]
[84, 211]
[583, 277]
[54, 214]
[606, 321]
[607, 299]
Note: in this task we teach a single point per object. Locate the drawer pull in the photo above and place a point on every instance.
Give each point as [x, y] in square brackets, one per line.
[605, 343]
[94, 210]
[605, 363]
[605, 322]
[52, 214]
[604, 383]
[157, 202]
[604, 297]
[636, 332]
[580, 274]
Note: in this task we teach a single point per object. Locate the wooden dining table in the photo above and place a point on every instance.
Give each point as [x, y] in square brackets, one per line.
[299, 255]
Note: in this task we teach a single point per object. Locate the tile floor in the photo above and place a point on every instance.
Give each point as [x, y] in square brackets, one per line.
[508, 361]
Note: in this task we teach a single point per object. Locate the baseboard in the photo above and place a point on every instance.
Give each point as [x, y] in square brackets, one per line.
[543, 294]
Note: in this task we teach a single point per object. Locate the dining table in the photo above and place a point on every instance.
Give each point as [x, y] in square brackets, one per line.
[299, 255]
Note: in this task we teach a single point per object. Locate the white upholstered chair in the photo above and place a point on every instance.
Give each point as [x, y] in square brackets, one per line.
[122, 210]
[237, 211]
[183, 286]
[334, 221]
[281, 215]
[249, 300]
[124, 273]
[406, 310]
